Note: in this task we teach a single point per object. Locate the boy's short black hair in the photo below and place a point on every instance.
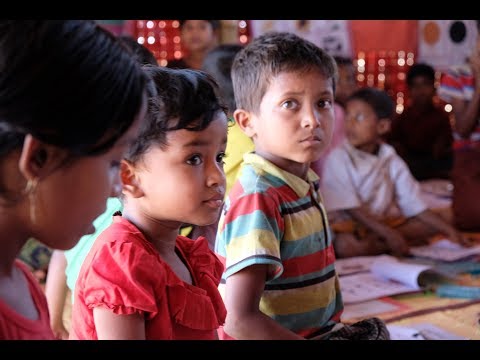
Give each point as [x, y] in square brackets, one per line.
[379, 100]
[420, 69]
[215, 23]
[178, 99]
[270, 54]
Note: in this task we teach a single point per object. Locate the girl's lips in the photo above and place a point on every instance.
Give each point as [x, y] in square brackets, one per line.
[214, 203]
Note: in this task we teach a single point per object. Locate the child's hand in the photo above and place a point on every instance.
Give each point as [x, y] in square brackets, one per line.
[474, 61]
[459, 238]
[60, 332]
[397, 243]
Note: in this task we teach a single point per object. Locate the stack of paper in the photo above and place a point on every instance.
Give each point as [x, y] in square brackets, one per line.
[445, 250]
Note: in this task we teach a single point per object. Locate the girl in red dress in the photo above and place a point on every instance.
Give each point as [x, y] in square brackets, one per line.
[141, 280]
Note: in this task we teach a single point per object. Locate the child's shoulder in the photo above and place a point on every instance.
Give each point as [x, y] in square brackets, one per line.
[339, 153]
[122, 235]
[256, 179]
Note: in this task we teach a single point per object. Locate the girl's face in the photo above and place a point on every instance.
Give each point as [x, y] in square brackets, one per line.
[69, 199]
[184, 182]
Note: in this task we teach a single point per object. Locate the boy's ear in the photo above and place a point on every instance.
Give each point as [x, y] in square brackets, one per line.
[38, 159]
[243, 119]
[130, 180]
[383, 126]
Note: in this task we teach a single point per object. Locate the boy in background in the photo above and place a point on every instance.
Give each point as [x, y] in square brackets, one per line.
[422, 134]
[373, 200]
[273, 237]
[198, 37]
[460, 86]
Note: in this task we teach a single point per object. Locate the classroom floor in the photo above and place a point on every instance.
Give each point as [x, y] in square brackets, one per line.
[458, 316]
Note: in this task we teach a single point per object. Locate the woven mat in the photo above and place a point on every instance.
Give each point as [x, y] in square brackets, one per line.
[461, 319]
[458, 316]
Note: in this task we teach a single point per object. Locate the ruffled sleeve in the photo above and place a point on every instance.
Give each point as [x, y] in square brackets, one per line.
[120, 278]
[207, 269]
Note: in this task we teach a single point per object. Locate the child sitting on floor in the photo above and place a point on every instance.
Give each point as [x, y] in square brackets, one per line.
[141, 280]
[280, 281]
[373, 201]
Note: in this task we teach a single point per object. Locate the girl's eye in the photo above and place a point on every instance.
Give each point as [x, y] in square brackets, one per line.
[194, 160]
[221, 157]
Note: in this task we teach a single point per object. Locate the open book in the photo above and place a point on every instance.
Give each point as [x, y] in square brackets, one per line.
[388, 276]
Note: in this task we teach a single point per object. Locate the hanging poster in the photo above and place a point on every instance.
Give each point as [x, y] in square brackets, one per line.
[443, 43]
[331, 35]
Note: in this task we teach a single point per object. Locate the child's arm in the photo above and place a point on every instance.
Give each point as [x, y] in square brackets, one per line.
[435, 221]
[244, 320]
[56, 291]
[466, 112]
[395, 241]
[110, 326]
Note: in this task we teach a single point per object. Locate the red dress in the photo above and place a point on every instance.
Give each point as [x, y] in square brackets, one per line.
[14, 326]
[125, 273]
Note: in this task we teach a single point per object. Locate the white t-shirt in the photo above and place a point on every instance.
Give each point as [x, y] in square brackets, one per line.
[382, 182]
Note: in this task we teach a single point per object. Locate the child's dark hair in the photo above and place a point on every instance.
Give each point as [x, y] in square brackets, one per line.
[218, 63]
[267, 56]
[178, 99]
[139, 52]
[379, 100]
[421, 69]
[214, 23]
[342, 60]
[69, 83]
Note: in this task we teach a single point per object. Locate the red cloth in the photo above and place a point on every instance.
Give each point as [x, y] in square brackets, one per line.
[14, 326]
[386, 35]
[420, 130]
[125, 273]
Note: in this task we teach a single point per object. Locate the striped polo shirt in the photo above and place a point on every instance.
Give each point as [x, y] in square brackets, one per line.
[276, 218]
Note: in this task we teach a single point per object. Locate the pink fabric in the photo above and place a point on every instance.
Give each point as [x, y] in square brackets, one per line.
[14, 326]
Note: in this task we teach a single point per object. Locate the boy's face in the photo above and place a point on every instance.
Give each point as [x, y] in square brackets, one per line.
[361, 125]
[295, 119]
[185, 182]
[346, 84]
[198, 35]
[421, 91]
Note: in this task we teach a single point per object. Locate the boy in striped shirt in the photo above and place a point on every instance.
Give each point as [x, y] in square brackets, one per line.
[273, 236]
